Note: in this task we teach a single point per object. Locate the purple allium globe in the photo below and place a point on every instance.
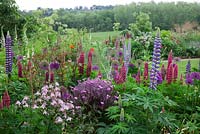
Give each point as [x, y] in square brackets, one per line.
[44, 65]
[120, 53]
[95, 67]
[19, 57]
[54, 65]
[177, 59]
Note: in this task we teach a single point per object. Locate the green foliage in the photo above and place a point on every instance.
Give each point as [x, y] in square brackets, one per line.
[116, 26]
[142, 24]
[141, 108]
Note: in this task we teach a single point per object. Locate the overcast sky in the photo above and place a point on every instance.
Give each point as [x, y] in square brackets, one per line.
[33, 4]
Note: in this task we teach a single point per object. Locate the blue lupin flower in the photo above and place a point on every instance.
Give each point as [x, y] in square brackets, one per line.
[188, 67]
[9, 54]
[155, 61]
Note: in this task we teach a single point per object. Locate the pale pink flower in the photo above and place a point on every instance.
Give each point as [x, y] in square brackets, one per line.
[35, 106]
[58, 120]
[69, 119]
[18, 103]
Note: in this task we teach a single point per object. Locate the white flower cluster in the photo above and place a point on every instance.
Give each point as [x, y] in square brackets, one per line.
[50, 102]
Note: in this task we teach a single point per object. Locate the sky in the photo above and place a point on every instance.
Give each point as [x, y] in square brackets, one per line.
[55, 4]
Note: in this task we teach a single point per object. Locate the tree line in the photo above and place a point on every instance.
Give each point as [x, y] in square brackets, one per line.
[100, 18]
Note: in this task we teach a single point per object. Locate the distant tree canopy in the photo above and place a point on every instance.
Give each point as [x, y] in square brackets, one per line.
[10, 16]
[102, 18]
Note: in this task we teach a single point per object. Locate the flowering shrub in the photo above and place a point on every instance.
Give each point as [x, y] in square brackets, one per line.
[96, 93]
[50, 102]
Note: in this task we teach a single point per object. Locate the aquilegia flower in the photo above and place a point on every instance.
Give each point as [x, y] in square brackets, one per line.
[9, 54]
[155, 61]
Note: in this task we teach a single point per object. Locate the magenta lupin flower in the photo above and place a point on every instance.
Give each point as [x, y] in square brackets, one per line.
[170, 58]
[120, 77]
[169, 74]
[123, 74]
[81, 63]
[51, 77]
[138, 77]
[20, 67]
[155, 61]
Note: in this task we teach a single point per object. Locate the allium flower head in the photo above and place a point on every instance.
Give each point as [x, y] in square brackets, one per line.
[19, 57]
[81, 63]
[44, 65]
[177, 59]
[54, 65]
[95, 68]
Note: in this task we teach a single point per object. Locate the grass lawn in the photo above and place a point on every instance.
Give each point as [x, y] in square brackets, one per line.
[101, 36]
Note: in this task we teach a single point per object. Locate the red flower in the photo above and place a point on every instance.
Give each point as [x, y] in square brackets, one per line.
[81, 63]
[169, 73]
[20, 67]
[6, 99]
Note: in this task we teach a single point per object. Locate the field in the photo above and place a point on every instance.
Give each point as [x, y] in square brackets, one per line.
[102, 36]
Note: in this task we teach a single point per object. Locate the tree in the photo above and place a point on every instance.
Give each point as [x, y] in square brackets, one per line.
[142, 24]
[9, 15]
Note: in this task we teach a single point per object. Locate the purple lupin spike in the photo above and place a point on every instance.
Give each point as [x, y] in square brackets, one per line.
[9, 54]
[155, 61]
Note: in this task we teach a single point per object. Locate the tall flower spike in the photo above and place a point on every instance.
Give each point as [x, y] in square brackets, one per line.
[169, 74]
[170, 58]
[155, 61]
[81, 63]
[146, 71]
[6, 99]
[127, 55]
[8, 54]
[20, 67]
[122, 76]
[188, 67]
[138, 77]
